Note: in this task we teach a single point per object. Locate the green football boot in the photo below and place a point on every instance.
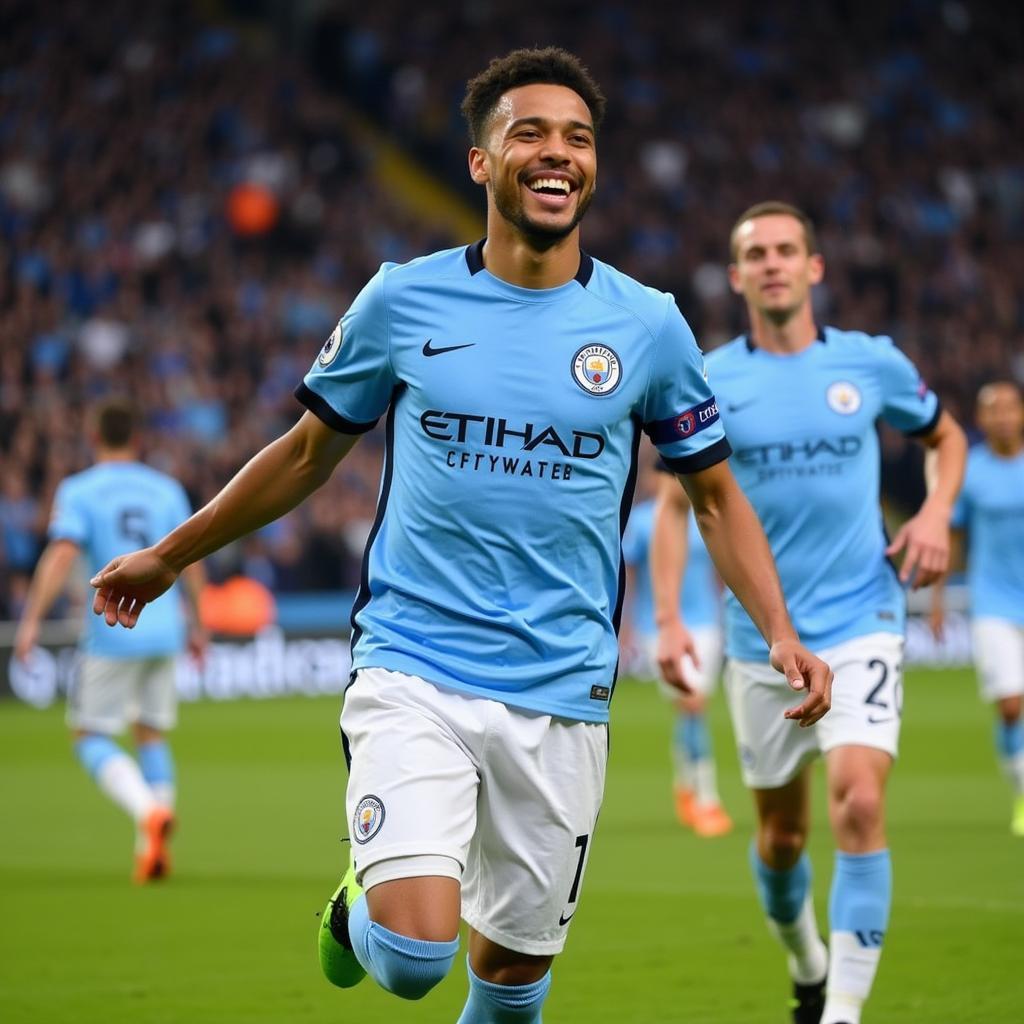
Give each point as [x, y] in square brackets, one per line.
[337, 960]
[1017, 821]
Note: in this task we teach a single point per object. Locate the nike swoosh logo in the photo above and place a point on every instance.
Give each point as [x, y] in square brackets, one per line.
[879, 721]
[429, 350]
[563, 921]
[740, 405]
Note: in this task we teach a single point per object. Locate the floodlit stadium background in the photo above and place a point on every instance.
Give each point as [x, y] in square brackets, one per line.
[191, 194]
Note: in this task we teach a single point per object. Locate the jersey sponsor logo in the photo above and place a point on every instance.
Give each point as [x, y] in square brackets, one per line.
[822, 456]
[596, 368]
[368, 818]
[332, 346]
[433, 350]
[843, 397]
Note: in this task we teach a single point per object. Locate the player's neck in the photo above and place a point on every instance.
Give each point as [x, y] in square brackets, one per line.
[783, 337]
[116, 454]
[510, 257]
[1006, 449]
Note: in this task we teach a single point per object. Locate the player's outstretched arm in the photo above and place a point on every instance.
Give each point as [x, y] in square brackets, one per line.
[739, 549]
[669, 546]
[925, 537]
[270, 484]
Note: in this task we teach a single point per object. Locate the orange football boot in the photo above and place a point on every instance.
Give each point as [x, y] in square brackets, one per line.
[685, 806]
[710, 820]
[153, 861]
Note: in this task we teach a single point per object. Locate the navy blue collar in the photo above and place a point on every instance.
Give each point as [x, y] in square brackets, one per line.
[751, 347]
[475, 262]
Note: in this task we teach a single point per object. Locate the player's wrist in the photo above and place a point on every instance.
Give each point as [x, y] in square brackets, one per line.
[667, 620]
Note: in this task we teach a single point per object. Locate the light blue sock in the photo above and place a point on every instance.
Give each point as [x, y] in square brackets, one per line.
[1009, 738]
[696, 737]
[408, 968]
[94, 751]
[861, 896]
[782, 892]
[503, 1004]
[156, 762]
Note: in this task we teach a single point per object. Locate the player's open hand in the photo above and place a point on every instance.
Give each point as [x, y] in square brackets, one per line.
[925, 540]
[803, 671]
[128, 584]
[674, 641]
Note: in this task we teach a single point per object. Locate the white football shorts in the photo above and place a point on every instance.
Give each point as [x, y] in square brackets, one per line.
[867, 702]
[512, 796]
[111, 693]
[708, 640]
[998, 657]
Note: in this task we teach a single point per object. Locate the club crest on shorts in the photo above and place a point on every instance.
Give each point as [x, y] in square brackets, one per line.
[332, 346]
[596, 368]
[367, 820]
[843, 397]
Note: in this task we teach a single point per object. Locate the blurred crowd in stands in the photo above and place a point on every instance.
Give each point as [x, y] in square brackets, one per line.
[184, 215]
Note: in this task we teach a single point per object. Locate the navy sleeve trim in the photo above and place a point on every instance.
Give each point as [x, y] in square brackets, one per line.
[661, 466]
[323, 412]
[929, 426]
[705, 459]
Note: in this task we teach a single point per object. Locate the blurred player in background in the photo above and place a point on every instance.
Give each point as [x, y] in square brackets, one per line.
[991, 513]
[799, 404]
[515, 374]
[125, 679]
[695, 786]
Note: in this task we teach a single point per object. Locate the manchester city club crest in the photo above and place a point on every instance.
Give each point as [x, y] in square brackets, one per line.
[368, 818]
[332, 346]
[596, 368]
[843, 397]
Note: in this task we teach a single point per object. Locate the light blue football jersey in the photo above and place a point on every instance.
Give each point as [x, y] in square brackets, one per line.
[109, 509]
[700, 604]
[494, 565]
[805, 451]
[991, 510]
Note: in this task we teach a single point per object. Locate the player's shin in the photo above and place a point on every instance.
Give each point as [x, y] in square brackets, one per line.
[859, 913]
[787, 901]
[503, 1004]
[157, 764]
[117, 774]
[1010, 743]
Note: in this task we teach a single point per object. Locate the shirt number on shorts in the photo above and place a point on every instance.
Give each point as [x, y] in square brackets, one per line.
[874, 697]
[581, 845]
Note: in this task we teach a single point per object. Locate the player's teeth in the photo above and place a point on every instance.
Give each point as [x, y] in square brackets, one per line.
[550, 183]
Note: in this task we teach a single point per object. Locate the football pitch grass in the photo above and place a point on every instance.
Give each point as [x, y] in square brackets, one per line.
[668, 928]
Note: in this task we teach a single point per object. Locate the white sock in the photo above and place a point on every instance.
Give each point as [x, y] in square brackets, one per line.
[1014, 768]
[164, 793]
[808, 955]
[120, 778]
[850, 976]
[681, 768]
[705, 781]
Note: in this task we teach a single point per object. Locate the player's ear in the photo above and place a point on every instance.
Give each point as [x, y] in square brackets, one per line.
[478, 169]
[734, 279]
[816, 266]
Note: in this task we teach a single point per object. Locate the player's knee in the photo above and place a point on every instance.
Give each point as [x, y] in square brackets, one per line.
[783, 842]
[1009, 710]
[860, 809]
[412, 973]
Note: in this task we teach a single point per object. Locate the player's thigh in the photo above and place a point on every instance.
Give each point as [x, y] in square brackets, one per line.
[413, 777]
[867, 694]
[998, 657]
[542, 783]
[772, 749]
[156, 697]
[102, 697]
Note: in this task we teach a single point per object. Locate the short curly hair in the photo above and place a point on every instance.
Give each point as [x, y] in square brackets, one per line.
[549, 65]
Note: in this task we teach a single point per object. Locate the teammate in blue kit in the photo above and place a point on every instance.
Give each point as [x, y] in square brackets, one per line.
[991, 512]
[125, 679]
[695, 787]
[799, 405]
[515, 375]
